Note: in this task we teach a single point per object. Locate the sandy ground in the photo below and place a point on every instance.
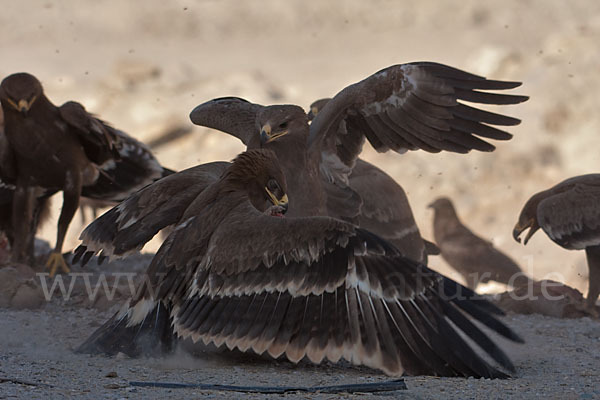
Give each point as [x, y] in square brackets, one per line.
[144, 65]
[560, 361]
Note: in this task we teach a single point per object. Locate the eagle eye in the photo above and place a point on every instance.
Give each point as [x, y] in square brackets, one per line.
[272, 185]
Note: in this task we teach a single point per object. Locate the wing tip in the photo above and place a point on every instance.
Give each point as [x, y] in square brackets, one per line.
[520, 98]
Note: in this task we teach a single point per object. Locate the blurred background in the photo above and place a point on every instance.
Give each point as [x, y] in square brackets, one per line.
[143, 66]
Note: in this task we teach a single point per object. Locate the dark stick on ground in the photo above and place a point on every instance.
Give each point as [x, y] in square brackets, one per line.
[18, 381]
[387, 386]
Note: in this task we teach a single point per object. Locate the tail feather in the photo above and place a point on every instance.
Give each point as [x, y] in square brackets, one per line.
[153, 336]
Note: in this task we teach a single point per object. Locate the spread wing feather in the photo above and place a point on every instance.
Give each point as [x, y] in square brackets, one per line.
[328, 291]
[135, 168]
[131, 224]
[97, 138]
[125, 164]
[412, 106]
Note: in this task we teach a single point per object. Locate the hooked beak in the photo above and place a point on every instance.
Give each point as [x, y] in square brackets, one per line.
[284, 207]
[267, 136]
[520, 227]
[282, 202]
[23, 105]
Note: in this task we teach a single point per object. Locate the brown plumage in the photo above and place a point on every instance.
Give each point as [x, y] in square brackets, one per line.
[234, 272]
[569, 213]
[385, 209]
[476, 259]
[403, 107]
[7, 191]
[62, 149]
[41, 215]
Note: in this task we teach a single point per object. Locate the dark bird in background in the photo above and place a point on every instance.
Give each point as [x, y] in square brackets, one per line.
[50, 149]
[236, 272]
[476, 259]
[403, 107]
[569, 213]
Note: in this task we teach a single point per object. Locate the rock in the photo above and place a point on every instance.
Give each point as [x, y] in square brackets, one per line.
[29, 296]
[114, 386]
[9, 283]
[19, 289]
[546, 297]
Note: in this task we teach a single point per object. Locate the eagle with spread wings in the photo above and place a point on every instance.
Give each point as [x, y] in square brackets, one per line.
[420, 105]
[237, 272]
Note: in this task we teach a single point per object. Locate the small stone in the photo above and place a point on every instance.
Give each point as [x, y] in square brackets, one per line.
[28, 297]
[111, 374]
[113, 386]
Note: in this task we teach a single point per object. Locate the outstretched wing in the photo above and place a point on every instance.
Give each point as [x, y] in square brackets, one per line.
[96, 137]
[318, 288]
[231, 115]
[125, 164]
[571, 217]
[412, 106]
[131, 224]
[135, 168]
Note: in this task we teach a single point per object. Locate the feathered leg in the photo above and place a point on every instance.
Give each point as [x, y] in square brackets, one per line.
[71, 194]
[22, 216]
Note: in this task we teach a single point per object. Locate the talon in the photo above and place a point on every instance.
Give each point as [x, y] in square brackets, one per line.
[56, 260]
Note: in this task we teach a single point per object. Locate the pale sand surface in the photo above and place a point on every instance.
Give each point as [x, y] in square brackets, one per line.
[560, 361]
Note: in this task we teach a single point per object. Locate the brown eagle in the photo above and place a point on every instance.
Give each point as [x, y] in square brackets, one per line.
[402, 107]
[235, 273]
[476, 259]
[49, 149]
[569, 213]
